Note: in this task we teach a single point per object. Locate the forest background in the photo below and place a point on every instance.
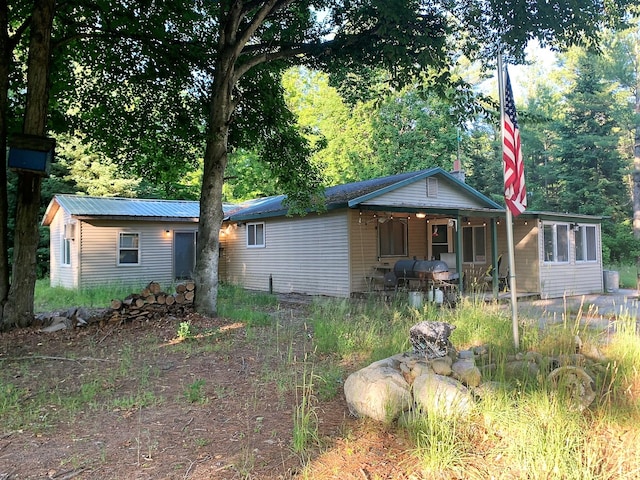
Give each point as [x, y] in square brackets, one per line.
[579, 116]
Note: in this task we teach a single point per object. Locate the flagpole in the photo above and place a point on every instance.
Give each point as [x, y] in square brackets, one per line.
[509, 222]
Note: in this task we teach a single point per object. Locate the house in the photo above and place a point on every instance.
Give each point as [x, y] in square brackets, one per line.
[430, 214]
[100, 240]
[366, 229]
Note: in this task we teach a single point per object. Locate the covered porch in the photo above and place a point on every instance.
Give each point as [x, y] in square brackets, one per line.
[455, 250]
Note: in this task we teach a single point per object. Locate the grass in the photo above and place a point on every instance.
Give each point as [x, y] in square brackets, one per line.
[523, 429]
[628, 275]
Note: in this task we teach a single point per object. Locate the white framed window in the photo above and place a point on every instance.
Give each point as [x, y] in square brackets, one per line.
[586, 250]
[556, 242]
[128, 248]
[255, 235]
[65, 254]
[392, 238]
[474, 244]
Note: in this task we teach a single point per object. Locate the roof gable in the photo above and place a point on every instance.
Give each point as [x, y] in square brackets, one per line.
[350, 195]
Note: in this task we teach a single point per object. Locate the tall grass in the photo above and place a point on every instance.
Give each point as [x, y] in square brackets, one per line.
[628, 274]
[47, 298]
[526, 428]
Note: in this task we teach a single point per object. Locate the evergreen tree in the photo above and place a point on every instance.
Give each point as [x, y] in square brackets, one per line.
[588, 164]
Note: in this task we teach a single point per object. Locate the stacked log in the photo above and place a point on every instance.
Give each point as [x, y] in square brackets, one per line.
[152, 303]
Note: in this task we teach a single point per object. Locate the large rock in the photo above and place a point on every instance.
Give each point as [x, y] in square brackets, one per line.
[441, 395]
[466, 371]
[378, 391]
[431, 339]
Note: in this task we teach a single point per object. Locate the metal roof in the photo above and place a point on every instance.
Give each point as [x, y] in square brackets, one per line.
[115, 206]
[84, 206]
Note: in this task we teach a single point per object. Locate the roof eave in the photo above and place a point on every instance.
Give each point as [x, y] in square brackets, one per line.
[136, 218]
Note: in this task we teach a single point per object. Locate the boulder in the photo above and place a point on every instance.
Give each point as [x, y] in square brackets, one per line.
[378, 391]
[442, 395]
[466, 371]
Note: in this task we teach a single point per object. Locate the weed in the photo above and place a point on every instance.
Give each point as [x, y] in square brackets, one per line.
[305, 417]
[185, 331]
[194, 393]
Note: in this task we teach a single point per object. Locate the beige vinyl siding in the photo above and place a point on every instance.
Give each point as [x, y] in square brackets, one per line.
[62, 275]
[307, 255]
[525, 239]
[559, 279]
[415, 194]
[99, 254]
[363, 245]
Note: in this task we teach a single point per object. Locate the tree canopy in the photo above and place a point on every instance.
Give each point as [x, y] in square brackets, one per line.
[159, 84]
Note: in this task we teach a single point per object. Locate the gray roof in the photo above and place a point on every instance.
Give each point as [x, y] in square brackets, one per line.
[124, 208]
[351, 194]
[114, 206]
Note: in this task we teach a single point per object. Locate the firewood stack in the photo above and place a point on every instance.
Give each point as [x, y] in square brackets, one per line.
[152, 303]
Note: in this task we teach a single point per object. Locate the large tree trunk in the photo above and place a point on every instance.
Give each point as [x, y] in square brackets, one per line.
[19, 307]
[5, 58]
[211, 213]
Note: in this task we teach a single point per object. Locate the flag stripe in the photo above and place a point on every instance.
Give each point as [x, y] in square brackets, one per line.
[515, 191]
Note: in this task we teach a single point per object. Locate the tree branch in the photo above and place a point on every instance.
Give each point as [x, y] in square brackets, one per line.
[258, 19]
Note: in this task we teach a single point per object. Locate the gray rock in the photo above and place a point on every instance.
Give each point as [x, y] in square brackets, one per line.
[431, 339]
[521, 369]
[378, 391]
[444, 395]
[466, 371]
[575, 383]
[442, 366]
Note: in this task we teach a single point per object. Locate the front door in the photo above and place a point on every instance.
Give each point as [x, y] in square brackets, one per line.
[184, 254]
[440, 238]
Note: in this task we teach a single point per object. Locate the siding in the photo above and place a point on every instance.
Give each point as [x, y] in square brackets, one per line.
[525, 239]
[307, 255]
[99, 253]
[363, 247]
[62, 275]
[559, 279]
[415, 194]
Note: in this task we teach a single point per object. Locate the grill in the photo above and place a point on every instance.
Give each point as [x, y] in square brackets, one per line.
[423, 270]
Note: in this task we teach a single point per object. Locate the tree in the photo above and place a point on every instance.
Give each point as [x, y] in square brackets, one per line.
[41, 43]
[19, 300]
[622, 62]
[406, 38]
[232, 54]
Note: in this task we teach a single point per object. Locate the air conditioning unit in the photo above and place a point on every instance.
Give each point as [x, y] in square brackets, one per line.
[70, 231]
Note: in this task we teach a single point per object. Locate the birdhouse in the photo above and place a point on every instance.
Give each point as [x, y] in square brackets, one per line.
[31, 153]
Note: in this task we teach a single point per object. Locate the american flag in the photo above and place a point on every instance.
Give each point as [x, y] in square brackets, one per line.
[515, 192]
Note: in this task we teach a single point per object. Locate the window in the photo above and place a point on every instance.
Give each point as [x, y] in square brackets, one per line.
[556, 243]
[255, 235]
[586, 243]
[392, 238]
[129, 249]
[474, 247]
[66, 251]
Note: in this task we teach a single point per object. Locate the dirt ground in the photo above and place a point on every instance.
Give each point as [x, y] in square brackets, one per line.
[215, 407]
[138, 404]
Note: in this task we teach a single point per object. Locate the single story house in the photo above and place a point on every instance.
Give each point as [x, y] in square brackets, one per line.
[366, 228]
[100, 240]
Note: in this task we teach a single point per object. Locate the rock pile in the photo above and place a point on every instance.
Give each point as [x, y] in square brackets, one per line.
[436, 377]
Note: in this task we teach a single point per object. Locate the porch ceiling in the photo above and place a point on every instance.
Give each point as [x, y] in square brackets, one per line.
[447, 211]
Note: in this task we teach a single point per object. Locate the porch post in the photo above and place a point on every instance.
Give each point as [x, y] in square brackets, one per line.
[494, 257]
[458, 251]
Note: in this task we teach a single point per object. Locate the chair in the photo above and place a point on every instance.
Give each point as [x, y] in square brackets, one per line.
[503, 279]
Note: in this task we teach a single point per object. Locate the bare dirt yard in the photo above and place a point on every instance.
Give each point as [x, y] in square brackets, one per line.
[136, 401]
[131, 401]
